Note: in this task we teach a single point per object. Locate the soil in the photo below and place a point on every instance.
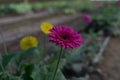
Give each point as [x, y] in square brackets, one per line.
[110, 65]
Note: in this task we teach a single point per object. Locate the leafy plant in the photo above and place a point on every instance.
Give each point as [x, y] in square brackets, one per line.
[23, 7]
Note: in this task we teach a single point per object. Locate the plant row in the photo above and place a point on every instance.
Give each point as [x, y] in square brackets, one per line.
[68, 7]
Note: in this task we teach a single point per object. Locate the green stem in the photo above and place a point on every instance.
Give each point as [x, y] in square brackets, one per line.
[44, 45]
[2, 67]
[58, 62]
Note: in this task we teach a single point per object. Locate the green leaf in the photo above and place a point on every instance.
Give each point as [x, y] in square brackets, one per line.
[5, 59]
[60, 76]
[28, 69]
[45, 72]
[17, 78]
[37, 54]
[16, 61]
[39, 73]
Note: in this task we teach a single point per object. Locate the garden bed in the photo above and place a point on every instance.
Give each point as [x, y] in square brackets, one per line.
[80, 67]
[85, 58]
[6, 22]
[82, 63]
[14, 34]
[91, 48]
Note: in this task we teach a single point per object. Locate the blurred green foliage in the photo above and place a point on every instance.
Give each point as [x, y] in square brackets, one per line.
[65, 6]
[68, 7]
[30, 64]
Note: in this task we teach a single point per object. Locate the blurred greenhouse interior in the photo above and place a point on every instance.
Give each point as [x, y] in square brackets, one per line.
[59, 39]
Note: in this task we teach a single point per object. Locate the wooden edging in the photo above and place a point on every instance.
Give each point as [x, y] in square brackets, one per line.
[105, 43]
[18, 19]
[102, 49]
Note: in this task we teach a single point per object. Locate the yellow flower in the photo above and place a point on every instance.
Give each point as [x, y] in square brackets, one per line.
[46, 27]
[28, 42]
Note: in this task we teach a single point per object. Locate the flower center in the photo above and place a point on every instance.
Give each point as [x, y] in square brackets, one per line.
[65, 37]
[29, 42]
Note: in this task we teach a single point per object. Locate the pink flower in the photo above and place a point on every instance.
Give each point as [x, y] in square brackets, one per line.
[117, 3]
[86, 19]
[65, 37]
